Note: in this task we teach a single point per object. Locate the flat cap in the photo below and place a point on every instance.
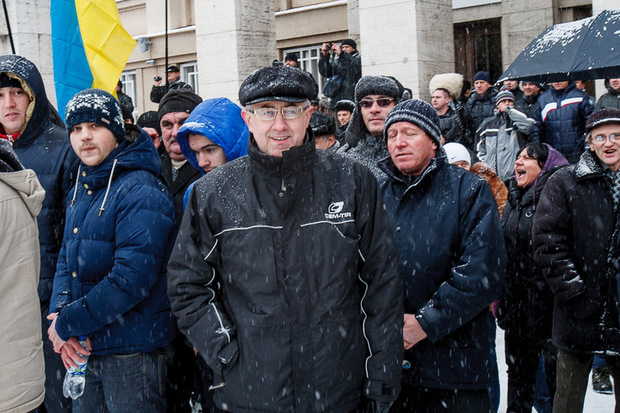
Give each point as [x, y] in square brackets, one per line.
[288, 84]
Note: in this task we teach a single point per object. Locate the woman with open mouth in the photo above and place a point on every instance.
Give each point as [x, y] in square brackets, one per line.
[526, 305]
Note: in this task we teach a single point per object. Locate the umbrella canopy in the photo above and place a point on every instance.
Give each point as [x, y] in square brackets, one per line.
[579, 50]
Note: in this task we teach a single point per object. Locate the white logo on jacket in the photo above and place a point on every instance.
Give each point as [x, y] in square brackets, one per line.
[334, 211]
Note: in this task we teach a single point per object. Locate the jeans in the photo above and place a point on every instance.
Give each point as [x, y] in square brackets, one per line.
[126, 383]
[573, 371]
[543, 400]
[423, 400]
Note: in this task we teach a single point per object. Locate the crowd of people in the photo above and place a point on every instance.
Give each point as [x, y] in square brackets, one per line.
[354, 254]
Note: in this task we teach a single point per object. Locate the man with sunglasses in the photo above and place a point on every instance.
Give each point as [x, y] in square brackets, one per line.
[575, 235]
[284, 275]
[375, 96]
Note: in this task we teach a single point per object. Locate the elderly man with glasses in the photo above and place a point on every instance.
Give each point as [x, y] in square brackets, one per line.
[575, 235]
[284, 276]
[375, 96]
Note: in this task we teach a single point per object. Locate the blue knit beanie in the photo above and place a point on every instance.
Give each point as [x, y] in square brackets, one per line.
[419, 113]
[95, 105]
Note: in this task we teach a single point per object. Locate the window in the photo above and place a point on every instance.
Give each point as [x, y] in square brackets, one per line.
[478, 46]
[309, 61]
[189, 75]
[129, 88]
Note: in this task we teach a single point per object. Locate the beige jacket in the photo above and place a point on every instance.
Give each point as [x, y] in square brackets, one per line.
[22, 373]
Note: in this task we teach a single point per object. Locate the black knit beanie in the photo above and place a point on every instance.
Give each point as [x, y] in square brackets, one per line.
[95, 105]
[178, 100]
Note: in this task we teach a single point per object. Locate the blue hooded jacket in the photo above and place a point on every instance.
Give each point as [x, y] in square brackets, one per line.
[110, 282]
[220, 120]
[43, 147]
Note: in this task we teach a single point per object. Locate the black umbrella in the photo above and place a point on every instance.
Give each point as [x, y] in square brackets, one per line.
[579, 50]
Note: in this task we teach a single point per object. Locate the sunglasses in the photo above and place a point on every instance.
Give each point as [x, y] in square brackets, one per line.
[382, 102]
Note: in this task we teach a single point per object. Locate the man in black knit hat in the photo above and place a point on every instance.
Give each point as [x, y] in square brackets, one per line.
[451, 250]
[178, 175]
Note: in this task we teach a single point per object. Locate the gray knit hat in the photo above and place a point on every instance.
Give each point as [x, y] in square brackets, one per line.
[95, 105]
[504, 95]
[419, 113]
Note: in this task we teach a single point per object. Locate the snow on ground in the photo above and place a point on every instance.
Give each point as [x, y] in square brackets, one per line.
[595, 402]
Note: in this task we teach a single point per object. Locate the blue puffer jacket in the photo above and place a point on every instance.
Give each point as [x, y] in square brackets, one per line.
[111, 277]
[44, 148]
[452, 260]
[561, 117]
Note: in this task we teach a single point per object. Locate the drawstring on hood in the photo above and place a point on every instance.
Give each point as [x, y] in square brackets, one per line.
[135, 153]
[107, 191]
[77, 180]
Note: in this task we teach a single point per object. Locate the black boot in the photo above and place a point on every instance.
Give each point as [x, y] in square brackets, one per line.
[601, 382]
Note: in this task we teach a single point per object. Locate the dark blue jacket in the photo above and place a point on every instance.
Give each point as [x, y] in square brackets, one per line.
[561, 117]
[452, 259]
[111, 277]
[44, 148]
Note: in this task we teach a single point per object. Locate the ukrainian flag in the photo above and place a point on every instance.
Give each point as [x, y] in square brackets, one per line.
[89, 45]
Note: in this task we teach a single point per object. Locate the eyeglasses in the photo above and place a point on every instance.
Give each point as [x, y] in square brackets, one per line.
[288, 112]
[382, 102]
[614, 138]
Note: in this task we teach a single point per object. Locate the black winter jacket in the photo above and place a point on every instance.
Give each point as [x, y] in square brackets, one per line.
[526, 304]
[44, 148]
[284, 277]
[561, 117]
[187, 174]
[477, 109]
[572, 233]
[451, 126]
[348, 67]
[527, 105]
[158, 92]
[452, 260]
[611, 99]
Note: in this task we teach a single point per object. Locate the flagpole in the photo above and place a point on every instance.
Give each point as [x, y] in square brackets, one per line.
[166, 68]
[8, 25]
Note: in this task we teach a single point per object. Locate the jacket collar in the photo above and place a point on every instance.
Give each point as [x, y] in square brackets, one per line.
[297, 159]
[387, 166]
[589, 166]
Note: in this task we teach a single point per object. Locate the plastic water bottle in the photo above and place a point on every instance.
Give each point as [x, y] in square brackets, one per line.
[73, 386]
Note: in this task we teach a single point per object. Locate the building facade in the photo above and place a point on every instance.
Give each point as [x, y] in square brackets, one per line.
[216, 44]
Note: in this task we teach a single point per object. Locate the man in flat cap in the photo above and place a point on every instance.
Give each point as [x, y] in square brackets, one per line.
[284, 274]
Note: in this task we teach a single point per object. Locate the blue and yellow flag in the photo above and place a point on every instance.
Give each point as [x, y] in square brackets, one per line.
[89, 46]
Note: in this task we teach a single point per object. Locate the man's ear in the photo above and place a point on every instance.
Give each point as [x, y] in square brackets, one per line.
[247, 118]
[309, 114]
